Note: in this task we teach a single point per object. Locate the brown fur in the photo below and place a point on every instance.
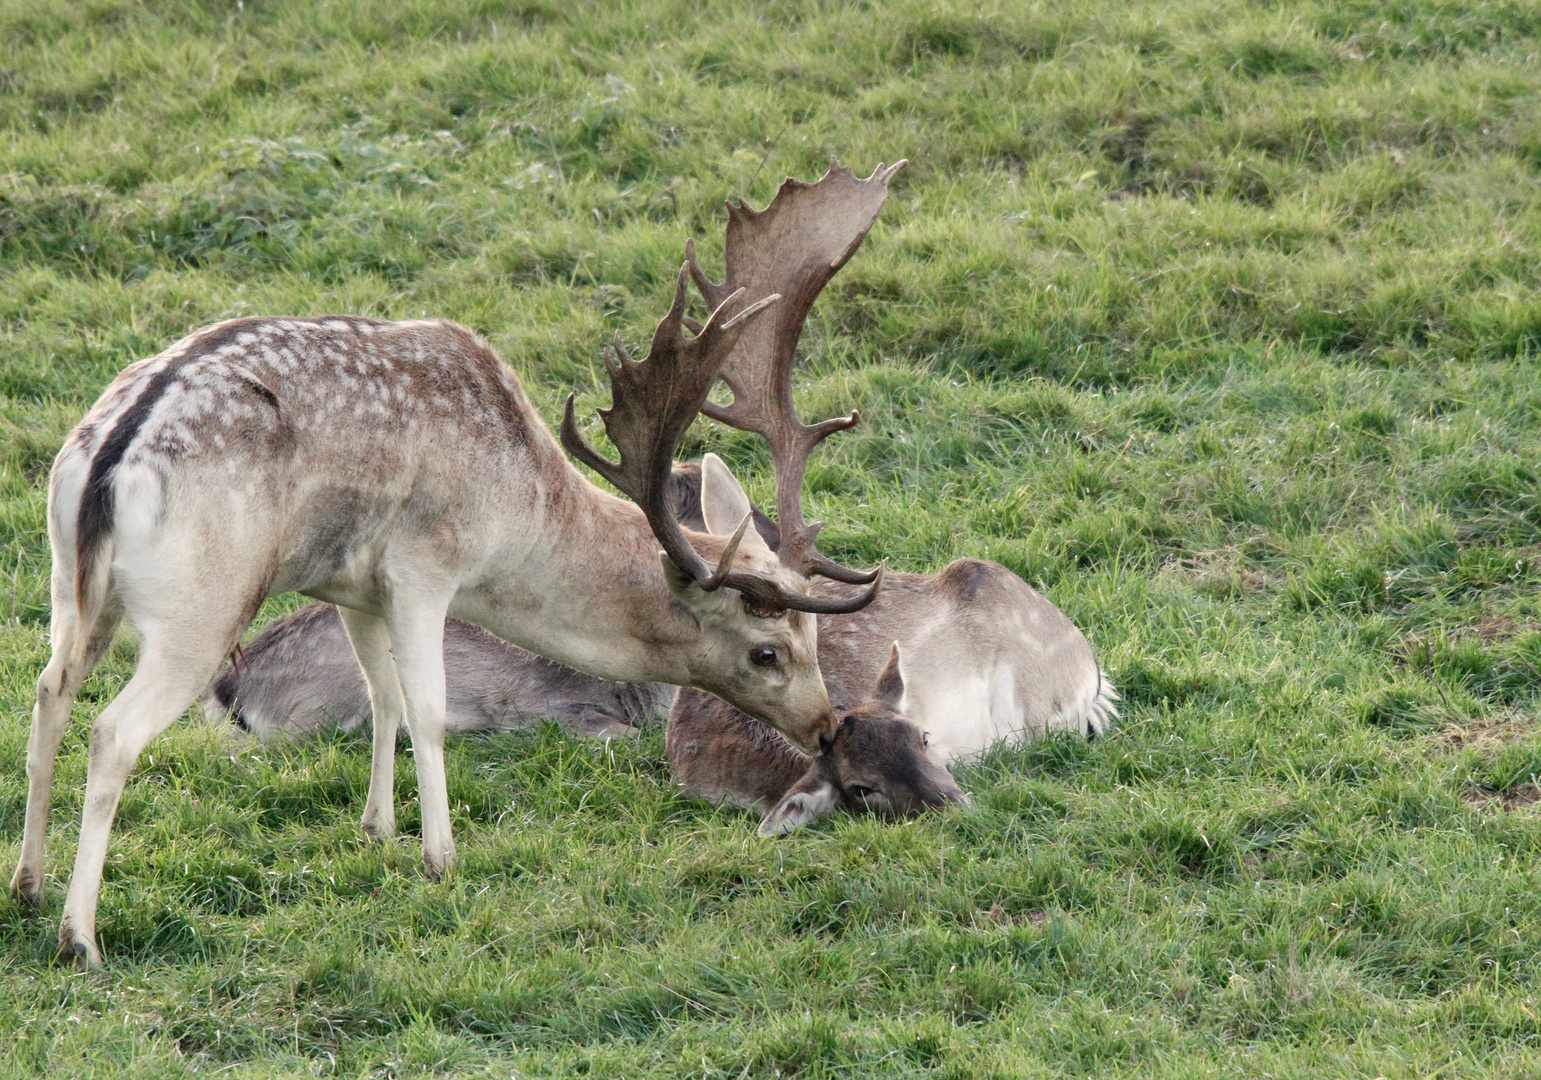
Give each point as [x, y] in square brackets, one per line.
[878, 762]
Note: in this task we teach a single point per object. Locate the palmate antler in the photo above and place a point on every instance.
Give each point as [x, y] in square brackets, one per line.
[791, 249]
[652, 403]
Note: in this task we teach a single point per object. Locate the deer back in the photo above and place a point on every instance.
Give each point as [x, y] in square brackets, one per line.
[300, 677]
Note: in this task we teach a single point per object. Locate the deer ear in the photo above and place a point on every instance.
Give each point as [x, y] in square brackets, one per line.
[723, 502]
[889, 691]
[803, 805]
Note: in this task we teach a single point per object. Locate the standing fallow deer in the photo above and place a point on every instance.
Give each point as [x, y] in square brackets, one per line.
[987, 658]
[398, 471]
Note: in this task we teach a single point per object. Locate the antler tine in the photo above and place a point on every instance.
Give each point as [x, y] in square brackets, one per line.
[653, 402]
[712, 293]
[792, 247]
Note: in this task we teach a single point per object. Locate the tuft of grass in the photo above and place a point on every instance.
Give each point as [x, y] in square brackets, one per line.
[1220, 325]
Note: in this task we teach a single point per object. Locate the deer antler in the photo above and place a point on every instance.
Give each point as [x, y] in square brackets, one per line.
[791, 248]
[652, 403]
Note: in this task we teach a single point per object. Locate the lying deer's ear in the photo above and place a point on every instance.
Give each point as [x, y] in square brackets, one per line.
[889, 691]
[723, 502]
[803, 805]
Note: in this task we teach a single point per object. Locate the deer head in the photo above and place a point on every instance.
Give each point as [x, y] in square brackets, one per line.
[758, 643]
[878, 763]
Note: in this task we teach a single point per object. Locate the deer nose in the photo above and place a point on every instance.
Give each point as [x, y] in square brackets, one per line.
[954, 796]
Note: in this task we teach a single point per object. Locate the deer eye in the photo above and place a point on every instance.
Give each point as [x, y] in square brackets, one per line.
[764, 656]
[925, 738]
[861, 791]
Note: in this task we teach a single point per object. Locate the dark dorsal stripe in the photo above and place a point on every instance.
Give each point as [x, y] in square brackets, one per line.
[97, 504]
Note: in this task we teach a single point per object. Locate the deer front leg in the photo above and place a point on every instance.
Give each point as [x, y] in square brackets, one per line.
[416, 625]
[372, 645]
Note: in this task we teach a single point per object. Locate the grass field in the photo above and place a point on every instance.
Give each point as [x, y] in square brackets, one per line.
[1219, 323]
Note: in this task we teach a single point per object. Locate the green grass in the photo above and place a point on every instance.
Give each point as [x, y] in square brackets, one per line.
[1217, 322]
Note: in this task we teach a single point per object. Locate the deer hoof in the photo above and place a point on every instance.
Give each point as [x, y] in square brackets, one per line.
[438, 866]
[81, 952]
[27, 889]
[378, 831]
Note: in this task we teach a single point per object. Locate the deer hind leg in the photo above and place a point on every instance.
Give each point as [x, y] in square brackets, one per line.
[416, 624]
[76, 650]
[372, 645]
[176, 663]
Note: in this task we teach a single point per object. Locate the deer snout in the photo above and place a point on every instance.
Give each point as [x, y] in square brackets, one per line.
[813, 739]
[819, 737]
[951, 795]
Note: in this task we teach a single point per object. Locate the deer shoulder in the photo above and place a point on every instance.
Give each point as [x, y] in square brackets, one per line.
[987, 658]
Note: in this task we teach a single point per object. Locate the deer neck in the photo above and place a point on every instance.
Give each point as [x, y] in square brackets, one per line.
[589, 591]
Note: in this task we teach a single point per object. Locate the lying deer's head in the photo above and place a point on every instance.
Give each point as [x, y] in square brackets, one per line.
[878, 763]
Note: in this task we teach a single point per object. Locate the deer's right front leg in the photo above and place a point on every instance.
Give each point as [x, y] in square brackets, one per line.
[372, 645]
[415, 620]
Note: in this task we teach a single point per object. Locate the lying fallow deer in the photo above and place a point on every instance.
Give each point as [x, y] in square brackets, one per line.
[397, 470]
[299, 677]
[879, 763]
[987, 658]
